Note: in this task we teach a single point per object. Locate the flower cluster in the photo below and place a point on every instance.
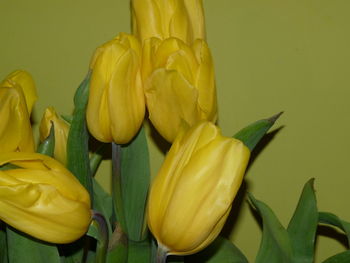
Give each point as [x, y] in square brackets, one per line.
[38, 195]
[165, 66]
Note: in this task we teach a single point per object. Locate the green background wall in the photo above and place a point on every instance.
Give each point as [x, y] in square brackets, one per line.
[270, 55]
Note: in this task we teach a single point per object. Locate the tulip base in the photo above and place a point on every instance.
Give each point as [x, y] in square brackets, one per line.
[162, 254]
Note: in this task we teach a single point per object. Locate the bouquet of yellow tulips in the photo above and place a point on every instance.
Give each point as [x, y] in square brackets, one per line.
[53, 210]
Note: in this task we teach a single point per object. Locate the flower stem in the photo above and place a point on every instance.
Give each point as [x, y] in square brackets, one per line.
[162, 254]
[102, 242]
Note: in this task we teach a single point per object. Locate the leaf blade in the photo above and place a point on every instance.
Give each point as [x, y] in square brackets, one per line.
[275, 244]
[303, 225]
[135, 172]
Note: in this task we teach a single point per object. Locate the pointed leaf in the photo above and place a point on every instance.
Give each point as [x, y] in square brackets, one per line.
[331, 219]
[78, 160]
[302, 227]
[77, 145]
[23, 248]
[253, 133]
[221, 250]
[343, 257]
[135, 172]
[275, 246]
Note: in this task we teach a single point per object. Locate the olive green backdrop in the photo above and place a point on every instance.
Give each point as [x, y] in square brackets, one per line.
[270, 55]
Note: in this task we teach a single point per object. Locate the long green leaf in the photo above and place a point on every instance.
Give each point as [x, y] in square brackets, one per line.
[253, 133]
[78, 161]
[221, 250]
[77, 145]
[303, 225]
[22, 248]
[135, 172]
[333, 220]
[343, 257]
[275, 246]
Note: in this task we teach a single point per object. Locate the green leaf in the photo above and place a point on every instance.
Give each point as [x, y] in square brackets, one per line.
[253, 133]
[135, 172]
[3, 243]
[22, 248]
[78, 160]
[77, 145]
[47, 147]
[221, 250]
[333, 220]
[139, 252]
[275, 246]
[343, 257]
[303, 225]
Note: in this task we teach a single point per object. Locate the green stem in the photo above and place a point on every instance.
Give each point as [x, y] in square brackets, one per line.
[117, 186]
[162, 254]
[102, 242]
[96, 158]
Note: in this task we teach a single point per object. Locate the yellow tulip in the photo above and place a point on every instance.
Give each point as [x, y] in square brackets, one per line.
[179, 84]
[42, 198]
[183, 19]
[116, 105]
[192, 194]
[61, 129]
[25, 81]
[15, 128]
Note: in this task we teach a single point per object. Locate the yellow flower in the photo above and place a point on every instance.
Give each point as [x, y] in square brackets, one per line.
[25, 81]
[61, 129]
[183, 19]
[42, 198]
[179, 84]
[116, 105]
[15, 128]
[192, 194]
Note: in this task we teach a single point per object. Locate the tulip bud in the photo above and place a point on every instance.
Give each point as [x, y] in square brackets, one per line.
[15, 128]
[192, 194]
[61, 129]
[116, 105]
[183, 19]
[179, 84]
[42, 198]
[25, 81]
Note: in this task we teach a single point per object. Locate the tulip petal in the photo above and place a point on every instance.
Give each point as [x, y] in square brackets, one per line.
[147, 21]
[42, 198]
[126, 98]
[116, 105]
[192, 194]
[170, 97]
[195, 13]
[205, 81]
[15, 129]
[25, 81]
